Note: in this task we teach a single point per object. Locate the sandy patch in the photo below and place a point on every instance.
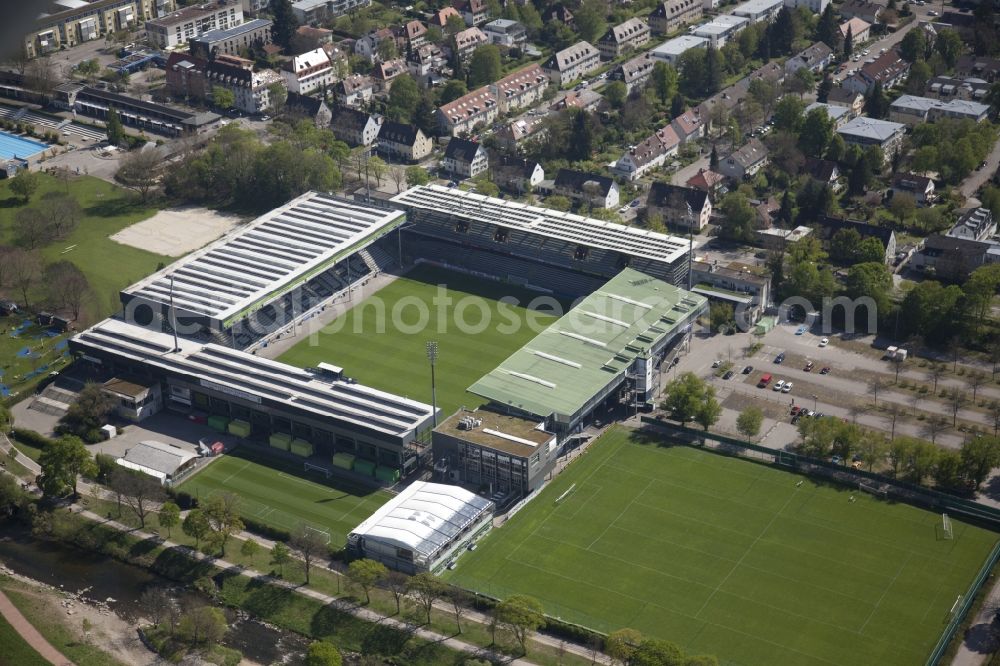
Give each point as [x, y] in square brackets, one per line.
[177, 231]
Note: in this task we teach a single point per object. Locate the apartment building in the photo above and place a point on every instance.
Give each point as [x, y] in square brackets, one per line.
[309, 72]
[312, 12]
[673, 14]
[572, 63]
[469, 111]
[175, 29]
[70, 22]
[522, 88]
[244, 37]
[190, 77]
[622, 38]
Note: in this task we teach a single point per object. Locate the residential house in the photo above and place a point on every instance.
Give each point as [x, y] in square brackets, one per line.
[648, 154]
[368, 46]
[415, 34]
[634, 73]
[314, 12]
[354, 90]
[515, 174]
[921, 188]
[680, 206]
[440, 17]
[688, 126]
[355, 127]
[710, 182]
[745, 161]
[723, 104]
[590, 188]
[465, 159]
[746, 288]
[622, 38]
[710, 5]
[310, 37]
[863, 9]
[823, 171]
[425, 64]
[860, 30]
[975, 224]
[519, 89]
[853, 100]
[405, 143]
[475, 12]
[572, 63]
[887, 69]
[865, 132]
[244, 37]
[670, 15]
[308, 72]
[777, 239]
[511, 136]
[312, 108]
[384, 73]
[560, 14]
[469, 111]
[585, 100]
[980, 67]
[468, 40]
[827, 227]
[815, 59]
[505, 32]
[191, 78]
[839, 115]
[817, 7]
[948, 87]
[953, 258]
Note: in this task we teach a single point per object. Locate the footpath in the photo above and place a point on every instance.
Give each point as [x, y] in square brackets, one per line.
[30, 634]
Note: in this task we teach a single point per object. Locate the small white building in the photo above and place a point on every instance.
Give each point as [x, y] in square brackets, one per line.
[759, 10]
[309, 72]
[669, 51]
[165, 462]
[721, 29]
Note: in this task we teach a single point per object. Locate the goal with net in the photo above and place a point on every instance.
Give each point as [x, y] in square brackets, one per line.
[321, 534]
[946, 526]
[309, 467]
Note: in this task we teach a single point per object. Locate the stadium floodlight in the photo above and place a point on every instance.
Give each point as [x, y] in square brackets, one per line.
[432, 354]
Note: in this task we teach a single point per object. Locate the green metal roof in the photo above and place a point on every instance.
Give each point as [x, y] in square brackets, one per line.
[590, 346]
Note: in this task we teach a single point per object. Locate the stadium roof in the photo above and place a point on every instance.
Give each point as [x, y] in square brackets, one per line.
[252, 378]
[545, 222]
[424, 517]
[265, 257]
[590, 346]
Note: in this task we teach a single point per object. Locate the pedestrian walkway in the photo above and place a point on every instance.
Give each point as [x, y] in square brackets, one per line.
[30, 635]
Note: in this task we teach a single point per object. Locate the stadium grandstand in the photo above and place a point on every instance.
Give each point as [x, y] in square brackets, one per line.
[420, 528]
[250, 396]
[609, 346]
[267, 273]
[541, 248]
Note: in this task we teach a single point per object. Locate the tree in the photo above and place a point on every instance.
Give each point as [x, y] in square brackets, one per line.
[590, 19]
[824, 88]
[934, 372]
[685, 396]
[934, 426]
[920, 74]
[24, 184]
[956, 400]
[876, 103]
[663, 79]
[140, 492]
[170, 516]
[66, 285]
[203, 625]
[459, 601]
[709, 411]
[873, 450]
[88, 412]
[424, 589]
[280, 556]
[817, 130]
[948, 43]
[323, 653]
[116, 131]
[827, 28]
[902, 206]
[396, 583]
[12, 496]
[558, 202]
[403, 98]
[224, 98]
[386, 50]
[913, 46]
[788, 114]
[452, 90]
[223, 513]
[249, 548]
[310, 544]
[713, 159]
[737, 218]
[975, 380]
[62, 463]
[979, 455]
[521, 615]
[366, 574]
[284, 23]
[278, 96]
[138, 171]
[196, 526]
[61, 211]
[616, 93]
[749, 421]
[721, 316]
[849, 42]
[484, 66]
[621, 645]
[417, 175]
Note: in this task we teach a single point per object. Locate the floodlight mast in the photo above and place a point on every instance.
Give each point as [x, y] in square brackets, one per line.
[432, 353]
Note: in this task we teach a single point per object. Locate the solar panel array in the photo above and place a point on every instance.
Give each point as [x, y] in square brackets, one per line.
[236, 271]
[545, 222]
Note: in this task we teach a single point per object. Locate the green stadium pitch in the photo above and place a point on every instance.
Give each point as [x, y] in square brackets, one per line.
[729, 557]
[394, 359]
[280, 494]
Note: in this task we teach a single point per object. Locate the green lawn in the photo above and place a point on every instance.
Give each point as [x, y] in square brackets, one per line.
[731, 558]
[278, 493]
[16, 652]
[389, 353]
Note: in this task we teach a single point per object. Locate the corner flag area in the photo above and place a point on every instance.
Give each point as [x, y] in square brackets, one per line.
[729, 557]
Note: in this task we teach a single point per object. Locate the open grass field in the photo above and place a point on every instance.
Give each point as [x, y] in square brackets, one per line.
[16, 652]
[389, 352]
[280, 494]
[732, 558]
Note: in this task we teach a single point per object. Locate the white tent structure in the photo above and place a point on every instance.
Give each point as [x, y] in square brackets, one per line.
[421, 527]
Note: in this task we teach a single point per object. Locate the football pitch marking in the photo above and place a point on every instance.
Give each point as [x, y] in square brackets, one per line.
[237, 472]
[885, 592]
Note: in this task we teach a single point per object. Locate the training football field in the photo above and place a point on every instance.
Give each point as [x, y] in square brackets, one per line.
[278, 493]
[475, 333]
[727, 557]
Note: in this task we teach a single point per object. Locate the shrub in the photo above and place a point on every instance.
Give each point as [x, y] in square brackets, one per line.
[31, 438]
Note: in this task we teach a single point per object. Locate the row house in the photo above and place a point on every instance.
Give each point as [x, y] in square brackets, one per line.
[912, 110]
[688, 126]
[888, 70]
[634, 73]
[572, 63]
[469, 111]
[309, 72]
[313, 12]
[468, 40]
[622, 38]
[519, 89]
[354, 90]
[67, 24]
[673, 14]
[975, 224]
[948, 87]
[682, 206]
[815, 59]
[649, 154]
[355, 127]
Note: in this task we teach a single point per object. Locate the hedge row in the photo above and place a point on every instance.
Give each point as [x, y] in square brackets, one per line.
[31, 438]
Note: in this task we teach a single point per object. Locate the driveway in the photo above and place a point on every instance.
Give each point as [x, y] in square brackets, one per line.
[980, 177]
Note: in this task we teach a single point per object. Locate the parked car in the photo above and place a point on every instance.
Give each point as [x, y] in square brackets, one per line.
[787, 388]
[824, 342]
[801, 329]
[809, 366]
[623, 209]
[779, 358]
[677, 359]
[825, 371]
[779, 385]
[764, 380]
[795, 410]
[729, 375]
[634, 203]
[747, 369]
[716, 363]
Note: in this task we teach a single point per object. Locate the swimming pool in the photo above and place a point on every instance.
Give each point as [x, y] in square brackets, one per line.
[11, 146]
